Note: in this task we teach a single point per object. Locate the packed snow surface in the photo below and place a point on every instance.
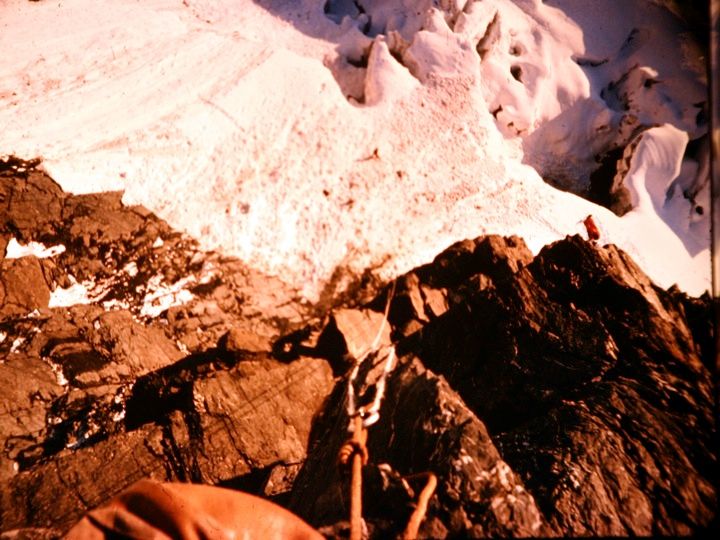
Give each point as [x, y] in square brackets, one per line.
[304, 136]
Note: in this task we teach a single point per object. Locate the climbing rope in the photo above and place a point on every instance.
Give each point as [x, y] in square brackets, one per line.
[411, 531]
[354, 452]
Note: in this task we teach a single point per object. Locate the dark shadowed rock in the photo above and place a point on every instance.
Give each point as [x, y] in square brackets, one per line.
[190, 422]
[55, 493]
[495, 256]
[424, 426]
[590, 380]
[701, 321]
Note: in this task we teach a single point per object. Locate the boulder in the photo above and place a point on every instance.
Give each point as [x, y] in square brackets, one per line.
[427, 292]
[22, 286]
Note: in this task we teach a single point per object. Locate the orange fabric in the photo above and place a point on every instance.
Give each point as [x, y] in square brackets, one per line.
[151, 510]
[592, 229]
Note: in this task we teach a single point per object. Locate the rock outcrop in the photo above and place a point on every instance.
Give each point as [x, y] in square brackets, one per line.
[590, 381]
[576, 376]
[561, 394]
[97, 395]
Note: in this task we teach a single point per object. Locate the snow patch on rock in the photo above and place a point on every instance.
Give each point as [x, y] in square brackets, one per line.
[15, 250]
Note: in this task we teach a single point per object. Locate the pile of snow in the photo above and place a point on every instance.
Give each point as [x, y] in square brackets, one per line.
[310, 135]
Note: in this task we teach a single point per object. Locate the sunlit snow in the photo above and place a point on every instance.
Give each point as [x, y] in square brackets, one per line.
[301, 141]
[15, 250]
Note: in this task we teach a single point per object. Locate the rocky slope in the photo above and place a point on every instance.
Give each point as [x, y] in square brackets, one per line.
[561, 394]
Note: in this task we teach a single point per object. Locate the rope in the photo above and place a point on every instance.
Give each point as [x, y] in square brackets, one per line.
[356, 450]
[372, 413]
[386, 314]
[350, 449]
[361, 418]
[411, 531]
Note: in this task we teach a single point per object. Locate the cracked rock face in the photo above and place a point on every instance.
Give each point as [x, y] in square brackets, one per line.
[590, 380]
[562, 394]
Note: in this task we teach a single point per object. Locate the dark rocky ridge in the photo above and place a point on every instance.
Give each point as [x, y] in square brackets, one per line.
[563, 394]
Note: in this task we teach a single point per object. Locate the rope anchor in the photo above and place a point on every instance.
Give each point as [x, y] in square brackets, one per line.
[354, 452]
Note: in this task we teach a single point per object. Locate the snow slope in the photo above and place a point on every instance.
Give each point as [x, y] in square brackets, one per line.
[303, 141]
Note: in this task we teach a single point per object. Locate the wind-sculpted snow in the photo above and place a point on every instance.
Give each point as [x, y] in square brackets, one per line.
[314, 137]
